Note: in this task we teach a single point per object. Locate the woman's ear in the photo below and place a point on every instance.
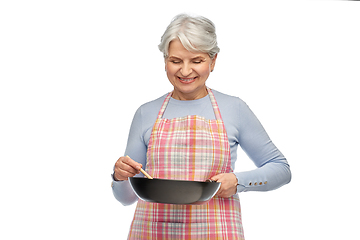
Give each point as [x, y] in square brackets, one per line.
[213, 61]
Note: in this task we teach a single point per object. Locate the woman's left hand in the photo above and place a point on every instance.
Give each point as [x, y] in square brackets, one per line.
[228, 184]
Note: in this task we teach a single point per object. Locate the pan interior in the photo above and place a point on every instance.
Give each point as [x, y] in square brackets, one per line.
[174, 191]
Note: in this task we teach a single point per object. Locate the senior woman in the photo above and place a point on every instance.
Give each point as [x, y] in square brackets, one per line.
[192, 133]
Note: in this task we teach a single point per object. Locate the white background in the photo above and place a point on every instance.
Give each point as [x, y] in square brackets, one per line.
[74, 72]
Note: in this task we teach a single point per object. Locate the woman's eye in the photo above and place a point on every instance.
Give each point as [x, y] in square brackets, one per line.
[176, 62]
[197, 61]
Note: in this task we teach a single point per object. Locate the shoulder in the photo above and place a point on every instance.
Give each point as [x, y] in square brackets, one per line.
[147, 113]
[145, 117]
[228, 102]
[234, 111]
[152, 107]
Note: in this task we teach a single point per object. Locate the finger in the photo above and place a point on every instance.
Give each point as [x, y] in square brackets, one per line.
[217, 178]
[124, 174]
[128, 164]
[127, 160]
[127, 168]
[219, 192]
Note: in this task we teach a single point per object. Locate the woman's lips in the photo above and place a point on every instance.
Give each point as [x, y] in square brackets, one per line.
[187, 80]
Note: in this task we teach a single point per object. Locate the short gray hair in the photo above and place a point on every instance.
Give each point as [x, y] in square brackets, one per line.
[197, 34]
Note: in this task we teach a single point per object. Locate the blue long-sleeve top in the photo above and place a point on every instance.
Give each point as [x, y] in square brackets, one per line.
[242, 126]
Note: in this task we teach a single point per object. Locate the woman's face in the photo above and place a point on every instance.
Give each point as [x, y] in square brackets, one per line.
[188, 71]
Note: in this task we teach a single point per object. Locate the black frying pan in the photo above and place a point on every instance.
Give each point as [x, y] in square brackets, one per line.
[174, 191]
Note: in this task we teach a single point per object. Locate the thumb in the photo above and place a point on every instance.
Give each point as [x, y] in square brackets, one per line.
[216, 177]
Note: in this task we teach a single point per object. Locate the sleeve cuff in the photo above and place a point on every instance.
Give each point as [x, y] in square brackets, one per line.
[113, 178]
[250, 182]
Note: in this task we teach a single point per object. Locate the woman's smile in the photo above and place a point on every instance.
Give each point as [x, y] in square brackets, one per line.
[187, 80]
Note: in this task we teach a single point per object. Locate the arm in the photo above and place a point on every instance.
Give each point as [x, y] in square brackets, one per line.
[273, 170]
[136, 149]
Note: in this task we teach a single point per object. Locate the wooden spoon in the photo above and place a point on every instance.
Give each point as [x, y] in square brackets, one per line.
[146, 174]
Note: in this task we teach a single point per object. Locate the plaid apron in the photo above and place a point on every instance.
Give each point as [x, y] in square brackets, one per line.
[188, 148]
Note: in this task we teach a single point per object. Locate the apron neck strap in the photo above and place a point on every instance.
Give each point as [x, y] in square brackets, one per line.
[214, 104]
[212, 99]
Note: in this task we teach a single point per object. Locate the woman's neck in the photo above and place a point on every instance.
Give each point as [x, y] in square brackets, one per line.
[189, 96]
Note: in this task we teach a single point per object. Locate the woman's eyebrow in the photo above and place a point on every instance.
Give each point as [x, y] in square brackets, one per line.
[178, 58]
[198, 57]
[173, 57]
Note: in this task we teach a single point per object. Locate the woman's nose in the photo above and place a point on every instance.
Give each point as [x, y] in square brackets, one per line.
[186, 70]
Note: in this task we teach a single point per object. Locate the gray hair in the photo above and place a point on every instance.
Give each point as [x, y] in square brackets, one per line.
[197, 34]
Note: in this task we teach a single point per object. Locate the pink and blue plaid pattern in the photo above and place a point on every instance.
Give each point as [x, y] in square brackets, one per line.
[188, 148]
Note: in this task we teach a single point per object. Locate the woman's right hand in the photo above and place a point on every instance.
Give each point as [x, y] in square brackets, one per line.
[125, 167]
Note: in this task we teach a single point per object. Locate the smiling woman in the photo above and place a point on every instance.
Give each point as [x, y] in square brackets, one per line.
[183, 136]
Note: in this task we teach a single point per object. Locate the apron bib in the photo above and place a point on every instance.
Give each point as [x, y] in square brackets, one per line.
[196, 149]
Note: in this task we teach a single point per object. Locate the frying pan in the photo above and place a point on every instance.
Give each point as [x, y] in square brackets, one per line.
[173, 191]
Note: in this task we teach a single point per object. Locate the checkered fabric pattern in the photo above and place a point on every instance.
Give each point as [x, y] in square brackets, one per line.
[188, 148]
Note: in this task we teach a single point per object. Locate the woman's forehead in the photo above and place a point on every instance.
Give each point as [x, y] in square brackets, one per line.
[177, 50]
